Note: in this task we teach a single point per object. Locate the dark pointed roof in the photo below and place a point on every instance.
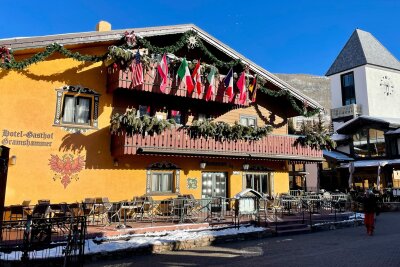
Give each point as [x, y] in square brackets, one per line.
[363, 48]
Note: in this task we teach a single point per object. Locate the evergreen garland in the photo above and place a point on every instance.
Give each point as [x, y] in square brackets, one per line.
[182, 42]
[301, 110]
[12, 64]
[315, 136]
[132, 124]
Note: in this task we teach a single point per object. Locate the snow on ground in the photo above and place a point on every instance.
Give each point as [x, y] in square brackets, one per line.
[121, 242]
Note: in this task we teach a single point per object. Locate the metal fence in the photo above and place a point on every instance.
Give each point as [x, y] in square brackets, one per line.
[36, 241]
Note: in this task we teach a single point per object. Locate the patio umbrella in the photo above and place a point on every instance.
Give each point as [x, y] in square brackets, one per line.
[378, 179]
[351, 171]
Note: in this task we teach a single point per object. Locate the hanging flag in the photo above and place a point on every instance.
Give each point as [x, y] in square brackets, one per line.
[241, 84]
[253, 89]
[163, 71]
[136, 70]
[228, 81]
[211, 81]
[196, 75]
[184, 75]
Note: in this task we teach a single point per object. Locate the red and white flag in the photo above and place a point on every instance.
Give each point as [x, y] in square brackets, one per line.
[163, 71]
[241, 84]
[196, 75]
[136, 70]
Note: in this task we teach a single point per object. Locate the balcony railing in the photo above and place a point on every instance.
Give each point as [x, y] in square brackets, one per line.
[351, 110]
[117, 78]
[180, 141]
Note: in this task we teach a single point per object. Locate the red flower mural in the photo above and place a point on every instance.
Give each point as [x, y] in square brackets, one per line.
[66, 168]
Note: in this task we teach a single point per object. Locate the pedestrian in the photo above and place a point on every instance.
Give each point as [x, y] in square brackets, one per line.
[370, 208]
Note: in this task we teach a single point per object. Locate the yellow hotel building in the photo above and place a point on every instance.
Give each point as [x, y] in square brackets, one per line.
[64, 117]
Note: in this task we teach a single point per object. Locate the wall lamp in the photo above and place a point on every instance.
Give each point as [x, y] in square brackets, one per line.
[246, 166]
[203, 165]
[116, 163]
[13, 160]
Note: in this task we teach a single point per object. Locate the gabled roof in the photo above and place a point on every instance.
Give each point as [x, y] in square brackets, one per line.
[363, 48]
[115, 35]
[353, 125]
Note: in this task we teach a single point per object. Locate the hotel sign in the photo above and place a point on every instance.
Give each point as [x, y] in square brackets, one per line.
[26, 138]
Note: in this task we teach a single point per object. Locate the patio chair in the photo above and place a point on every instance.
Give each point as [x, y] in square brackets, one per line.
[75, 210]
[100, 210]
[41, 211]
[58, 210]
[43, 201]
[16, 212]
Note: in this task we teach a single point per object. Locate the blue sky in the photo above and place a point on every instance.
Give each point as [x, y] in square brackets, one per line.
[282, 36]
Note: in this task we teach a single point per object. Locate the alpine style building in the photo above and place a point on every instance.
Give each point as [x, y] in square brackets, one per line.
[121, 113]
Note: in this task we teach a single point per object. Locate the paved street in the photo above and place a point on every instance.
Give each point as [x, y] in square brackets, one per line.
[343, 247]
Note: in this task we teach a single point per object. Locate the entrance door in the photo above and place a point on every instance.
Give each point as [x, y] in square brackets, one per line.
[213, 184]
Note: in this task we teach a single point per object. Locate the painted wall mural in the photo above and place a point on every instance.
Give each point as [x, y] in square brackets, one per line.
[67, 167]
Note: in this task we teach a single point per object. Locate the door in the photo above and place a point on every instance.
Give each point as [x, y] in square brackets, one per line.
[213, 184]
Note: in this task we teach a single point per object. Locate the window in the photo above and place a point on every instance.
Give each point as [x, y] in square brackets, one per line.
[246, 120]
[76, 108]
[162, 182]
[369, 143]
[348, 91]
[162, 178]
[258, 182]
[176, 116]
[143, 110]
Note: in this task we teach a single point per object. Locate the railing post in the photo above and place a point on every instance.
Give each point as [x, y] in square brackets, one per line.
[26, 238]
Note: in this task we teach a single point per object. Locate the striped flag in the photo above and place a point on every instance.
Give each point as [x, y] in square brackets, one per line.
[136, 70]
[228, 81]
[211, 81]
[253, 89]
[163, 71]
[184, 75]
[241, 84]
[196, 75]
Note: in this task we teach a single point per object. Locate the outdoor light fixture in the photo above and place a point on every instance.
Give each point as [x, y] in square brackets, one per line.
[246, 166]
[203, 165]
[13, 160]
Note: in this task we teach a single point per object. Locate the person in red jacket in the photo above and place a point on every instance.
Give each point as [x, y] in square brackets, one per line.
[370, 207]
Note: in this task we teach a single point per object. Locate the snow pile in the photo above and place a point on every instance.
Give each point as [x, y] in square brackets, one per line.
[121, 242]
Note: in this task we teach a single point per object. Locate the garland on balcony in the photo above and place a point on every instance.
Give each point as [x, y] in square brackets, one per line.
[223, 131]
[315, 135]
[191, 40]
[132, 124]
[9, 62]
[302, 110]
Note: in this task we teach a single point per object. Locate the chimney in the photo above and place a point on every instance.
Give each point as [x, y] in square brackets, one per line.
[103, 26]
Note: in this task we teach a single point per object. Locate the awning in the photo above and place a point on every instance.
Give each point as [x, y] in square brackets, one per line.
[397, 131]
[371, 163]
[336, 155]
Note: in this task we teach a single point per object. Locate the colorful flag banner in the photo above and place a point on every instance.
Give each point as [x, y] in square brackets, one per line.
[228, 81]
[196, 75]
[136, 68]
[241, 84]
[184, 75]
[163, 71]
[211, 81]
[253, 89]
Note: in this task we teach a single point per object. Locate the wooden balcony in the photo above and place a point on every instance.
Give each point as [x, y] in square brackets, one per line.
[117, 78]
[179, 142]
